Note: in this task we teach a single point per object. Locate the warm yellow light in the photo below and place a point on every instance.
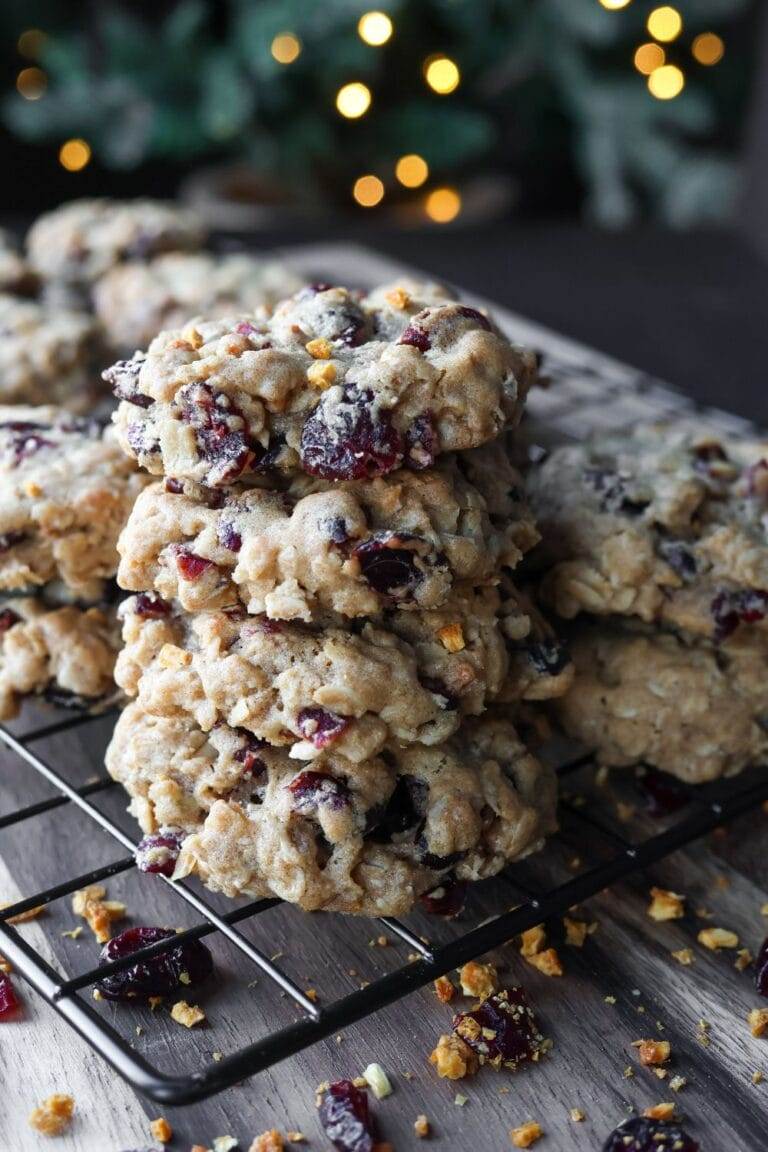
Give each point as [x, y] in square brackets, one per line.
[666, 82]
[443, 205]
[30, 42]
[353, 100]
[375, 28]
[708, 48]
[368, 191]
[285, 48]
[74, 155]
[649, 57]
[665, 23]
[31, 83]
[412, 170]
[442, 74]
[614, 5]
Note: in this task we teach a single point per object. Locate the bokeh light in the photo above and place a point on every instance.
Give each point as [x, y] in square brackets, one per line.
[708, 48]
[30, 43]
[443, 205]
[649, 57]
[442, 74]
[666, 82]
[374, 28]
[665, 23]
[31, 83]
[285, 48]
[412, 170]
[353, 100]
[368, 191]
[74, 154]
[614, 5]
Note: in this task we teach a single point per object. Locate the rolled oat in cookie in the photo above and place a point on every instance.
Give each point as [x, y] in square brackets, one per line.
[364, 838]
[331, 384]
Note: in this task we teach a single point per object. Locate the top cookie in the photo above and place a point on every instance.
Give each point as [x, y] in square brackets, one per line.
[135, 301]
[666, 524]
[330, 384]
[80, 241]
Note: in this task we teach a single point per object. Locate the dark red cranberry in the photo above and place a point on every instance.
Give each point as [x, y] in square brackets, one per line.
[386, 565]
[9, 540]
[123, 378]
[159, 975]
[445, 900]
[142, 440]
[664, 794]
[347, 441]
[640, 1134]
[548, 659]
[269, 460]
[221, 432]
[761, 969]
[228, 536]
[510, 1034]
[707, 453]
[151, 606]
[404, 810]
[421, 442]
[310, 789]
[173, 485]
[245, 328]
[321, 727]
[346, 1117]
[416, 337]
[680, 558]
[7, 619]
[9, 1003]
[741, 606]
[337, 530]
[613, 492]
[248, 754]
[473, 314]
[158, 851]
[190, 565]
[25, 438]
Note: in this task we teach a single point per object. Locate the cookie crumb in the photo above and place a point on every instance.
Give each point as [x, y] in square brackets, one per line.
[526, 1134]
[652, 1052]
[677, 1083]
[547, 962]
[421, 1126]
[224, 1143]
[23, 917]
[161, 1130]
[74, 933]
[295, 1137]
[379, 1082]
[757, 1076]
[758, 1021]
[477, 980]
[683, 956]
[609, 1000]
[270, 1141]
[664, 1111]
[576, 932]
[532, 941]
[576, 1115]
[187, 1014]
[460, 1099]
[54, 1115]
[453, 1058]
[444, 989]
[98, 913]
[666, 905]
[743, 959]
[451, 637]
[717, 938]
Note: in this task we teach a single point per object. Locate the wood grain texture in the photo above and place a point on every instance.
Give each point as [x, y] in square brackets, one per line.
[628, 957]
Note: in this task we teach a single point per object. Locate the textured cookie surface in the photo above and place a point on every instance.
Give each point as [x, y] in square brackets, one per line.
[66, 491]
[329, 384]
[693, 710]
[352, 547]
[136, 301]
[67, 654]
[47, 354]
[667, 525]
[15, 274]
[362, 838]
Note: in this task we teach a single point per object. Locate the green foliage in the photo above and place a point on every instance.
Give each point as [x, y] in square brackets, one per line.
[547, 86]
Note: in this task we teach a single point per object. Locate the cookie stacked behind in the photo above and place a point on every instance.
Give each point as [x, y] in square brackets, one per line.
[655, 543]
[323, 628]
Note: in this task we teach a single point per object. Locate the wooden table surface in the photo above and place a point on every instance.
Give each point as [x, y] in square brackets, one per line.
[622, 986]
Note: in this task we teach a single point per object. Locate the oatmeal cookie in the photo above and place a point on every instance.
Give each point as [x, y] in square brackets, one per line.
[329, 384]
[75, 244]
[66, 654]
[353, 547]
[364, 838]
[540, 665]
[65, 493]
[667, 524]
[310, 687]
[15, 274]
[47, 354]
[135, 301]
[694, 710]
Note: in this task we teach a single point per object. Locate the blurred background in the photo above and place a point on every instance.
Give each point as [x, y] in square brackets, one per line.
[582, 160]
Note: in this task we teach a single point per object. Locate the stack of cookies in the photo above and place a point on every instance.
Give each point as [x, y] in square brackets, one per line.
[655, 541]
[326, 651]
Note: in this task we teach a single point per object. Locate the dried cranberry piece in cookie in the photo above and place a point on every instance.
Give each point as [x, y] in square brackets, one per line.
[388, 564]
[548, 659]
[346, 1117]
[151, 606]
[416, 337]
[158, 975]
[190, 565]
[347, 438]
[612, 489]
[25, 439]
[641, 1134]
[434, 862]
[311, 789]
[404, 810]
[473, 314]
[7, 619]
[741, 606]
[320, 726]
[123, 378]
[9, 540]
[248, 754]
[9, 1004]
[221, 431]
[228, 536]
[503, 1030]
[421, 443]
[157, 852]
[445, 900]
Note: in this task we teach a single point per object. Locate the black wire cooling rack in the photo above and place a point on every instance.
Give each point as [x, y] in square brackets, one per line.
[706, 809]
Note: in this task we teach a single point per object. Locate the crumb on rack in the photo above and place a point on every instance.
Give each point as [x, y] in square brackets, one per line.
[526, 1134]
[187, 1014]
[23, 917]
[652, 1052]
[54, 1115]
[224, 1143]
[547, 962]
[717, 938]
[444, 989]
[453, 1058]
[161, 1130]
[478, 980]
[270, 1141]
[677, 1083]
[576, 931]
[576, 1115]
[532, 941]
[683, 956]
[757, 1076]
[743, 959]
[98, 913]
[666, 905]
[664, 1111]
[421, 1126]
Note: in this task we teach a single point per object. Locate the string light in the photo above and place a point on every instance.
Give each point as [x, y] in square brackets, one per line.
[353, 100]
[374, 28]
[412, 170]
[708, 48]
[665, 24]
[443, 205]
[368, 191]
[442, 74]
[30, 43]
[74, 154]
[667, 82]
[31, 83]
[649, 57]
[614, 5]
[285, 48]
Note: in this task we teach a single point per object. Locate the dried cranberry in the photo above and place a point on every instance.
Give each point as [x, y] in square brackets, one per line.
[680, 558]
[640, 1134]
[548, 659]
[9, 1004]
[159, 975]
[245, 328]
[346, 1117]
[613, 492]
[387, 566]
[7, 619]
[221, 432]
[123, 378]
[664, 794]
[248, 754]
[731, 608]
[709, 452]
[151, 606]
[404, 810]
[416, 337]
[347, 440]
[310, 789]
[336, 529]
[473, 314]
[761, 969]
[158, 851]
[421, 442]
[173, 485]
[9, 540]
[502, 1030]
[25, 439]
[445, 900]
[321, 727]
[228, 536]
[190, 565]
